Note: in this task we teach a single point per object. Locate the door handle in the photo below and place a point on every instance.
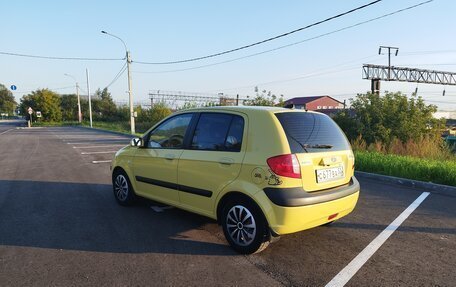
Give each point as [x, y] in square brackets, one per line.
[226, 161]
[170, 156]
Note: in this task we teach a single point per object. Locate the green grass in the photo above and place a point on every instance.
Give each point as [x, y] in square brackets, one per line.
[436, 171]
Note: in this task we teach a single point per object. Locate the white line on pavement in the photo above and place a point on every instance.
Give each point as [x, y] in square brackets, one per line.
[101, 161]
[101, 142]
[6, 131]
[350, 270]
[92, 139]
[97, 146]
[97, 152]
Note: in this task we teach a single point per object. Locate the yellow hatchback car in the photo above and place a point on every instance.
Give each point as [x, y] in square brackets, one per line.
[261, 172]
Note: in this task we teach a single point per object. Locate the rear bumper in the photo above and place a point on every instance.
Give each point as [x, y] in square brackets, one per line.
[306, 212]
[296, 196]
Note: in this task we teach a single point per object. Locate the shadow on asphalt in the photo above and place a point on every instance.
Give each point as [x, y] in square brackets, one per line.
[402, 228]
[85, 217]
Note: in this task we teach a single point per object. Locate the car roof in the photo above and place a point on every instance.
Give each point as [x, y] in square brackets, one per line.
[246, 109]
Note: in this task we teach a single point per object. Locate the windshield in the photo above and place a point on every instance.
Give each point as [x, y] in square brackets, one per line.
[311, 132]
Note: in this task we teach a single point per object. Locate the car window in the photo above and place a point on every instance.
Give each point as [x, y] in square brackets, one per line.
[234, 138]
[312, 132]
[171, 133]
[217, 131]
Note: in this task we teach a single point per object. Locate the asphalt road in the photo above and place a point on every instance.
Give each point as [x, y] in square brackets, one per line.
[60, 226]
[9, 125]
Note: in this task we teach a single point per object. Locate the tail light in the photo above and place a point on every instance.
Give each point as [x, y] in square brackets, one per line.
[285, 165]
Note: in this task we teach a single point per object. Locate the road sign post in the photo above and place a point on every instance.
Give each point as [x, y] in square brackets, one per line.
[30, 111]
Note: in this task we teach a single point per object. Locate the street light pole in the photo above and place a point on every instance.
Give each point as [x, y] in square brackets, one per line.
[130, 94]
[79, 99]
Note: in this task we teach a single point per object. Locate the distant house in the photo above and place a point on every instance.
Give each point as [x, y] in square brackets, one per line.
[314, 103]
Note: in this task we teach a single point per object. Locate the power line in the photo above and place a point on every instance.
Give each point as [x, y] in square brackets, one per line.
[122, 70]
[315, 73]
[263, 41]
[292, 44]
[61, 58]
[439, 102]
[428, 52]
[50, 89]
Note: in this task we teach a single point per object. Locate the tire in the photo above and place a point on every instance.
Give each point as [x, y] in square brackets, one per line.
[123, 191]
[244, 226]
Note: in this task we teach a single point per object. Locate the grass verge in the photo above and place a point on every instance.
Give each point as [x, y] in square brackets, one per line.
[436, 171]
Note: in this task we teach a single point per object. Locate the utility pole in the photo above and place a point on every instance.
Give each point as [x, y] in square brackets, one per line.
[389, 57]
[130, 95]
[90, 100]
[77, 94]
[375, 86]
[79, 103]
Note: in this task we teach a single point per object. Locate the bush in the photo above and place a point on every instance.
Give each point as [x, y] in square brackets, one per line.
[388, 118]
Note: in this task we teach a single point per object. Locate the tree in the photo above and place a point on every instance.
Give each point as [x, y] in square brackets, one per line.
[69, 107]
[265, 98]
[149, 117]
[45, 101]
[384, 119]
[152, 116]
[104, 108]
[7, 101]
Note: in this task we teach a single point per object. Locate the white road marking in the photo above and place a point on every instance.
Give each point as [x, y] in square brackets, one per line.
[92, 139]
[88, 138]
[160, 209]
[101, 161]
[101, 142]
[97, 152]
[6, 131]
[97, 146]
[350, 270]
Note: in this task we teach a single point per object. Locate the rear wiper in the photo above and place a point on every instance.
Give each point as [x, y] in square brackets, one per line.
[328, 146]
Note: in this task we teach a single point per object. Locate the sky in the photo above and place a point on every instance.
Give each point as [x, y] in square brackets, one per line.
[164, 31]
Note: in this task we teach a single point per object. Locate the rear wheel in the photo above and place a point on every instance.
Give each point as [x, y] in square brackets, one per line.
[244, 226]
[123, 192]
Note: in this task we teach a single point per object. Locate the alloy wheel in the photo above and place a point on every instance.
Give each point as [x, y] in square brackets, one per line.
[241, 225]
[121, 187]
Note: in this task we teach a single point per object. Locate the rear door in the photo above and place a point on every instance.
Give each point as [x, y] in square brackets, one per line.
[212, 161]
[321, 147]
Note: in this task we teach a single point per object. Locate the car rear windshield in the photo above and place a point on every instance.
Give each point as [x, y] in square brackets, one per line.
[311, 132]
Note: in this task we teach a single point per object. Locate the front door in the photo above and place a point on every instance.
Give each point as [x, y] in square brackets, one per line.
[155, 165]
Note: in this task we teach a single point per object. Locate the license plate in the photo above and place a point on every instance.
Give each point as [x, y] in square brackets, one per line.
[330, 174]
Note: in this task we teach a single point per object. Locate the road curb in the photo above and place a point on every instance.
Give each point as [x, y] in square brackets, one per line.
[428, 186]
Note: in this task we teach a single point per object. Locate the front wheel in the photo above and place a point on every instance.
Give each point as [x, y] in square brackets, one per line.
[244, 227]
[123, 192]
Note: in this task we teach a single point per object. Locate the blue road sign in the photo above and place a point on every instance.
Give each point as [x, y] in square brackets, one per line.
[13, 87]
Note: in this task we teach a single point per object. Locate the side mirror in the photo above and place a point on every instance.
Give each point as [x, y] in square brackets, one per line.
[136, 142]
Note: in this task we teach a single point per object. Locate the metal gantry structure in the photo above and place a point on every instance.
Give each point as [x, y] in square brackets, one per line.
[404, 74]
[178, 98]
[377, 73]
